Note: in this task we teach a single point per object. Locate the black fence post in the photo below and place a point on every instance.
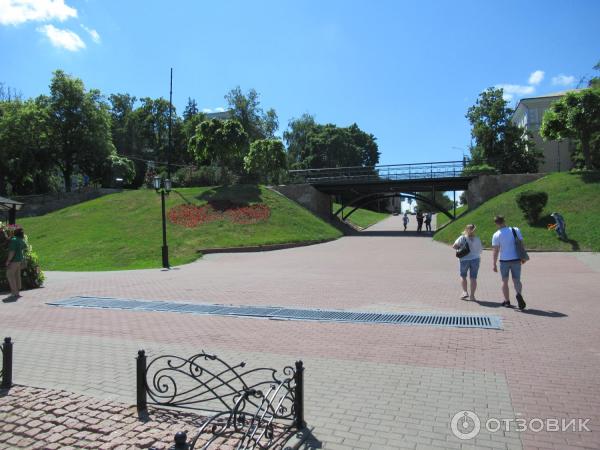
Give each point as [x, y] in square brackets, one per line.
[299, 396]
[7, 348]
[141, 380]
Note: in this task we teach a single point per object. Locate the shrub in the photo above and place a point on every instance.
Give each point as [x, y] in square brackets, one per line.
[32, 276]
[532, 204]
[204, 176]
[480, 169]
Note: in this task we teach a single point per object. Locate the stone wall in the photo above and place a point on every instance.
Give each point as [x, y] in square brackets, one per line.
[315, 201]
[38, 205]
[484, 187]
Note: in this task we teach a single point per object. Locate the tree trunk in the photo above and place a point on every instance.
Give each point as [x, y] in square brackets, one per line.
[585, 149]
[3, 186]
[67, 174]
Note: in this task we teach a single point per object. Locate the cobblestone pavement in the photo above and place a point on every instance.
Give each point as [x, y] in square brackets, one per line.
[368, 386]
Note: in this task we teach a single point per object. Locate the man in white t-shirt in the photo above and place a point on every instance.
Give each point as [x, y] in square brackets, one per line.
[503, 243]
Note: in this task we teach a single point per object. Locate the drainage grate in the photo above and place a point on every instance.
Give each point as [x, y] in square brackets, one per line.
[428, 319]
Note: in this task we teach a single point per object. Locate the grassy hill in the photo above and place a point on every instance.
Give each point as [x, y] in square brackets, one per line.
[124, 230]
[575, 196]
[363, 217]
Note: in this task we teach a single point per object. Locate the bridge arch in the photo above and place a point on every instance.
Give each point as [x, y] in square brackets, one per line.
[369, 198]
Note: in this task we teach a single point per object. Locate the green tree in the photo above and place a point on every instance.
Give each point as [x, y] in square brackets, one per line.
[498, 142]
[191, 109]
[115, 167]
[440, 198]
[312, 145]
[24, 161]
[265, 160]
[219, 142]
[123, 125]
[78, 127]
[297, 137]
[246, 109]
[577, 116]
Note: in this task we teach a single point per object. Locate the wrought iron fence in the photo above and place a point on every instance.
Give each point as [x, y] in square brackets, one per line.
[256, 408]
[394, 172]
[6, 372]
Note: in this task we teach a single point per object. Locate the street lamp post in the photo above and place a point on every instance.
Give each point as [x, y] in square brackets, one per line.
[163, 187]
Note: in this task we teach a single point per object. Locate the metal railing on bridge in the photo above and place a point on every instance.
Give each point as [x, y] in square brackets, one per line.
[375, 174]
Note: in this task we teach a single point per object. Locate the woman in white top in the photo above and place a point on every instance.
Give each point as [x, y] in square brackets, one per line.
[469, 262]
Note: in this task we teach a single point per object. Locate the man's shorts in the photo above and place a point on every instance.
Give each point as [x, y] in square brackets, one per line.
[471, 265]
[513, 267]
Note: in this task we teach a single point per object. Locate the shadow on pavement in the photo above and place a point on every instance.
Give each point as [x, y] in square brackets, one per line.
[393, 233]
[306, 440]
[533, 312]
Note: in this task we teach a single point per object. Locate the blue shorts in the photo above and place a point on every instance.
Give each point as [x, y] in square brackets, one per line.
[513, 267]
[470, 265]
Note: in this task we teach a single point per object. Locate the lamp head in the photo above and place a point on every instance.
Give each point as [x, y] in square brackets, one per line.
[157, 182]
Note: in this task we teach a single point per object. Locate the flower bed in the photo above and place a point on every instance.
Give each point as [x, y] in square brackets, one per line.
[191, 216]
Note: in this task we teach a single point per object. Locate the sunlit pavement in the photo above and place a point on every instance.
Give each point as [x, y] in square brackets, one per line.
[367, 385]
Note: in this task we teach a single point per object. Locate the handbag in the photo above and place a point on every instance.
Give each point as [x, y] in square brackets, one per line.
[521, 252]
[464, 249]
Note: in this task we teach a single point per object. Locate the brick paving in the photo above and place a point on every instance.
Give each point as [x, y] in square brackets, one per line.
[367, 385]
[49, 419]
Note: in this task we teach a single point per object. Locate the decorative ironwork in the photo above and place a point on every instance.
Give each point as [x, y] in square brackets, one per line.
[255, 408]
[392, 172]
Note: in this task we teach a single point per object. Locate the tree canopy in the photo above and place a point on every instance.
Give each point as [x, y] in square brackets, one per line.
[312, 146]
[246, 109]
[79, 131]
[577, 116]
[219, 142]
[265, 160]
[498, 142]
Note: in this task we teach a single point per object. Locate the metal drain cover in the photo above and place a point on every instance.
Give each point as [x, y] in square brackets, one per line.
[423, 319]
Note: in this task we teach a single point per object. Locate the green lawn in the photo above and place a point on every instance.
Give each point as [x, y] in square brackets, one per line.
[363, 217]
[443, 219]
[123, 231]
[575, 196]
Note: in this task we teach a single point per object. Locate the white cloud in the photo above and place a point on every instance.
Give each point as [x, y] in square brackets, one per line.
[62, 38]
[536, 77]
[93, 34]
[220, 109]
[563, 80]
[207, 110]
[512, 90]
[15, 12]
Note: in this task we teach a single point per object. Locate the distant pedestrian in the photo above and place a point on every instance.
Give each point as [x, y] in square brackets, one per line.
[504, 245]
[14, 261]
[405, 219]
[419, 221]
[428, 217]
[469, 263]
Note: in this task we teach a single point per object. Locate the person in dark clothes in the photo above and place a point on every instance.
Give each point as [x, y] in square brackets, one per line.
[428, 216]
[419, 221]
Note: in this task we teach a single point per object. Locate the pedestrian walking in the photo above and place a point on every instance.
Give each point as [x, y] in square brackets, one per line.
[428, 217]
[469, 262]
[405, 219]
[504, 243]
[419, 221]
[14, 261]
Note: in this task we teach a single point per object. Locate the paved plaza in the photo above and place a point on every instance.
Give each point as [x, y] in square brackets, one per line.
[368, 386]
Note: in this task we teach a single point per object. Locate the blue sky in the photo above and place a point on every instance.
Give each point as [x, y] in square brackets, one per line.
[404, 71]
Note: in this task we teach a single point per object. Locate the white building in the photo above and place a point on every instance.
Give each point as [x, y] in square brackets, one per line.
[528, 115]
